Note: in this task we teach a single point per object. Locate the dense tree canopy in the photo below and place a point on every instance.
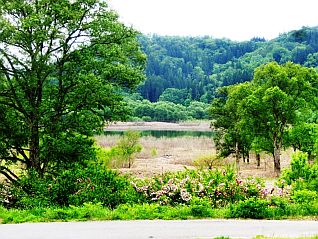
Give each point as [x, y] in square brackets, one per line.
[62, 64]
[201, 64]
[263, 111]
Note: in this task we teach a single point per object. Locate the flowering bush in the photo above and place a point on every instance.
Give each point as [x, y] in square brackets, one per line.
[220, 187]
[172, 192]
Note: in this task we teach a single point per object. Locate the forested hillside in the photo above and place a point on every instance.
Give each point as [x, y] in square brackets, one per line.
[195, 66]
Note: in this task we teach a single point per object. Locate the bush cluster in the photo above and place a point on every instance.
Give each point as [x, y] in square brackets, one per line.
[303, 177]
[187, 194]
[219, 187]
[76, 186]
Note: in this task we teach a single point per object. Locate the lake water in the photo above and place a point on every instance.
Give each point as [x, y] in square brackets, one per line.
[166, 133]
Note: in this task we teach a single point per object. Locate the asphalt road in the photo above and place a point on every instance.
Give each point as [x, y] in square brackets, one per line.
[158, 229]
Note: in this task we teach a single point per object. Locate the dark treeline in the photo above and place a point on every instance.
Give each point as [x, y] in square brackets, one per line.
[199, 65]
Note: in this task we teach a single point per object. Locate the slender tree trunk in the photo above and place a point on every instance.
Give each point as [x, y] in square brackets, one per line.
[310, 158]
[237, 156]
[277, 160]
[258, 159]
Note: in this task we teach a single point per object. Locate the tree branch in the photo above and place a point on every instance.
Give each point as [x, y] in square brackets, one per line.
[9, 174]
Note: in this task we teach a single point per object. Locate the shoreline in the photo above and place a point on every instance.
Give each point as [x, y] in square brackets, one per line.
[160, 126]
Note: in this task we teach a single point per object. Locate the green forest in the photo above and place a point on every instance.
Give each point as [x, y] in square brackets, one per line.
[183, 73]
[70, 68]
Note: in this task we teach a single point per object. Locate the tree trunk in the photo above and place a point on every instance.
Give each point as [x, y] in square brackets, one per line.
[258, 159]
[35, 147]
[277, 160]
[310, 157]
[237, 156]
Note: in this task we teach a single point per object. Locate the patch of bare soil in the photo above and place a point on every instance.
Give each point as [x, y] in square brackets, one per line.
[266, 169]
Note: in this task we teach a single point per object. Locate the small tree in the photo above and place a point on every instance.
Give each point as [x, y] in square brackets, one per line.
[128, 146]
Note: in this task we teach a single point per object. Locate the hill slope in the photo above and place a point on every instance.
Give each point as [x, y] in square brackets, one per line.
[191, 68]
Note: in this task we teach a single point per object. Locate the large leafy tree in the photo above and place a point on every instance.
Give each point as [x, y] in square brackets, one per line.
[62, 65]
[281, 93]
[258, 115]
[231, 135]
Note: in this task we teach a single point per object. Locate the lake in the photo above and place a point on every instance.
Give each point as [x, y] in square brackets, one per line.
[165, 133]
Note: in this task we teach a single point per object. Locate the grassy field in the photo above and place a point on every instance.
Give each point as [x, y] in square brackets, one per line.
[172, 154]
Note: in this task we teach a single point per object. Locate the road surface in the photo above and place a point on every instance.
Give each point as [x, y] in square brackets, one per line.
[158, 229]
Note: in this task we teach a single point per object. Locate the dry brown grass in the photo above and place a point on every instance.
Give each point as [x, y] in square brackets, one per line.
[171, 154]
[182, 149]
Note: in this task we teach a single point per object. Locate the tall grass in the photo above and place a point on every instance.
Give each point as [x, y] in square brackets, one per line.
[182, 149]
[97, 212]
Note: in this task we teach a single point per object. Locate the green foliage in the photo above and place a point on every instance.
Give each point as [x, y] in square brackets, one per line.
[281, 92]
[208, 161]
[304, 180]
[87, 211]
[62, 68]
[166, 111]
[304, 196]
[199, 65]
[232, 134]
[127, 147]
[67, 150]
[251, 208]
[303, 137]
[176, 96]
[259, 114]
[299, 168]
[185, 63]
[90, 211]
[105, 155]
[82, 184]
[154, 152]
[218, 187]
[199, 209]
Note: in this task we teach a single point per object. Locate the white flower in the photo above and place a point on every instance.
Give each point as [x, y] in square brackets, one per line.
[185, 195]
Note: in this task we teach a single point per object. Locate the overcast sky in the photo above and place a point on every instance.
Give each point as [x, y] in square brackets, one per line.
[234, 19]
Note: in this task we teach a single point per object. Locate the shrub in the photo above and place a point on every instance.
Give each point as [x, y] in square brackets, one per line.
[208, 161]
[301, 175]
[105, 156]
[280, 207]
[123, 153]
[304, 196]
[299, 168]
[75, 187]
[154, 152]
[219, 187]
[253, 207]
[201, 208]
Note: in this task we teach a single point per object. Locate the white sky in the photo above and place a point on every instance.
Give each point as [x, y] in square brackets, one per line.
[233, 19]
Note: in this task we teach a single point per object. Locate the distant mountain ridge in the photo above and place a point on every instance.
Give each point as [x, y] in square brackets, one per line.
[199, 65]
